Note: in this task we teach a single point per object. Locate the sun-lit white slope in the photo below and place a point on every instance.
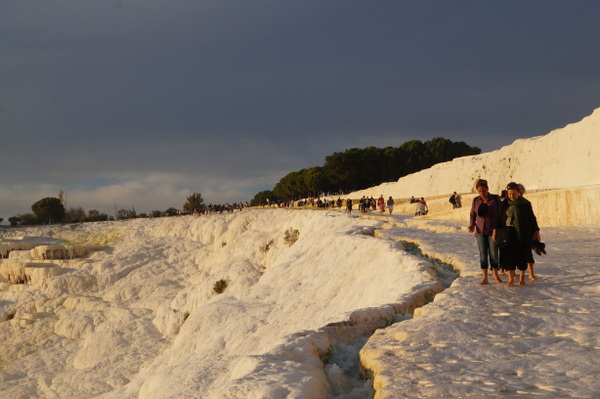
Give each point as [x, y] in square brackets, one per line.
[266, 340]
[117, 322]
[540, 340]
[108, 315]
[564, 158]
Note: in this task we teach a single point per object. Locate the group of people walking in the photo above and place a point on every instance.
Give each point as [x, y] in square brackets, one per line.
[365, 205]
[506, 230]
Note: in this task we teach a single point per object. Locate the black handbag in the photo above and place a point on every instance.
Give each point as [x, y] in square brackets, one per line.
[502, 237]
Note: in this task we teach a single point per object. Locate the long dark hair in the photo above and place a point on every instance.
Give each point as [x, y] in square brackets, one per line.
[481, 183]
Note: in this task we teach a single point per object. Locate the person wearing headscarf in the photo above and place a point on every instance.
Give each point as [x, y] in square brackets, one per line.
[516, 214]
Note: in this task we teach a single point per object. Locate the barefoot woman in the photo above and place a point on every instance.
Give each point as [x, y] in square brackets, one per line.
[484, 210]
[517, 214]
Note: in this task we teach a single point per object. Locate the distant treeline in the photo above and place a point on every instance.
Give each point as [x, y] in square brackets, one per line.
[357, 169]
[52, 210]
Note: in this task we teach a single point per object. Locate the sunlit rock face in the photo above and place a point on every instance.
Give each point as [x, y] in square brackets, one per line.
[560, 171]
[30, 263]
[20, 243]
[28, 273]
[38, 272]
[125, 320]
[58, 252]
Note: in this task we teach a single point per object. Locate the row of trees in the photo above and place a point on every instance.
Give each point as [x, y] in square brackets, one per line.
[357, 169]
[343, 172]
[52, 210]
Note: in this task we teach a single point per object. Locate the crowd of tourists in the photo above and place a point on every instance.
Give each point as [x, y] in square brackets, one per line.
[220, 208]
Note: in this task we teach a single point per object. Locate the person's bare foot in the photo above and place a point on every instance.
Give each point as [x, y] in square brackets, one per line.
[495, 275]
[532, 276]
[510, 283]
[483, 282]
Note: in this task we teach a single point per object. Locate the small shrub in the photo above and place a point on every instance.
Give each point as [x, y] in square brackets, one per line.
[220, 286]
[291, 236]
[185, 316]
[265, 248]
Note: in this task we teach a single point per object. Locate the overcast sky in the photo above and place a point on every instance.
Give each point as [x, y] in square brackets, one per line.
[131, 103]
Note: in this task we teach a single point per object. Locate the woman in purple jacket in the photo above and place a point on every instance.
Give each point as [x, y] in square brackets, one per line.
[484, 213]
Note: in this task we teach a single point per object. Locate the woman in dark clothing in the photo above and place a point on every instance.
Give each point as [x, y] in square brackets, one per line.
[529, 264]
[516, 213]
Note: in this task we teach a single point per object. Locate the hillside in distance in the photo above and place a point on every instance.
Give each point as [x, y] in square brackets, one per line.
[564, 158]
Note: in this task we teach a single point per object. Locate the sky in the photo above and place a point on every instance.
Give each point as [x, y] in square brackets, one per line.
[139, 104]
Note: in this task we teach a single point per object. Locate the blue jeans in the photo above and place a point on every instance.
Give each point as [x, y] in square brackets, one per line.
[487, 249]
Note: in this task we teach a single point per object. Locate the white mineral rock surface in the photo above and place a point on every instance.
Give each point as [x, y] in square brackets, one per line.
[138, 316]
[564, 158]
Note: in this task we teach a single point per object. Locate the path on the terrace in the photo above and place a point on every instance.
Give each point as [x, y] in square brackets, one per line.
[535, 341]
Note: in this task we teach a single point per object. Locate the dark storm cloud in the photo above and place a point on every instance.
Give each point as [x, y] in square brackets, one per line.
[226, 97]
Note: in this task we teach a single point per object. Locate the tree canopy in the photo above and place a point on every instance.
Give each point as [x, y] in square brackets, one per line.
[48, 210]
[194, 203]
[356, 168]
[264, 198]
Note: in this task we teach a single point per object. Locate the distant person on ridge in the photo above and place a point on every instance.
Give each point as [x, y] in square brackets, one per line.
[483, 217]
[390, 204]
[362, 206]
[455, 200]
[422, 207]
[452, 200]
[349, 206]
[381, 204]
[516, 214]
